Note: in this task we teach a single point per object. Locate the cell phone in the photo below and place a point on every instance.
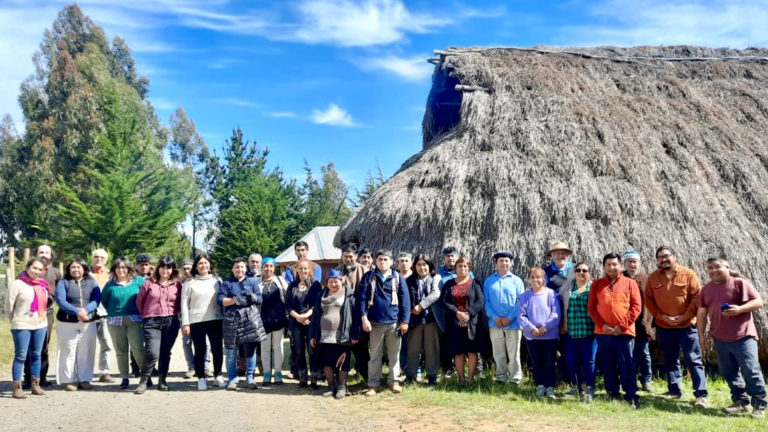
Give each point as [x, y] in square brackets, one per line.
[725, 306]
[398, 333]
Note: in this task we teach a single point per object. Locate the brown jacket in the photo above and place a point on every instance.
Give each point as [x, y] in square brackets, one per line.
[677, 296]
[353, 278]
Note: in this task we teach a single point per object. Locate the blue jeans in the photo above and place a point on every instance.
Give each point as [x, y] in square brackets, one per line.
[542, 352]
[616, 356]
[671, 341]
[23, 340]
[580, 355]
[250, 361]
[641, 359]
[739, 366]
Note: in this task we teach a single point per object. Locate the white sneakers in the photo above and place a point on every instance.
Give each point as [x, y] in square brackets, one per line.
[220, 381]
[202, 384]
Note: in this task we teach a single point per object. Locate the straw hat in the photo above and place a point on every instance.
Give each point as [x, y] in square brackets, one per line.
[559, 246]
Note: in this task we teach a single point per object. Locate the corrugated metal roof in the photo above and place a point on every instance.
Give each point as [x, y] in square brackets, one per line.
[321, 248]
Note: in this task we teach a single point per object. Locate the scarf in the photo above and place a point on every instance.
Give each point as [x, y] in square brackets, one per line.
[40, 286]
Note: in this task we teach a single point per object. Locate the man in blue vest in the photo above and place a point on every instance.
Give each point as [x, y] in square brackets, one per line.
[560, 276]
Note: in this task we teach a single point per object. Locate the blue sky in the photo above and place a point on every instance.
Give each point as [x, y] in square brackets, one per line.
[341, 80]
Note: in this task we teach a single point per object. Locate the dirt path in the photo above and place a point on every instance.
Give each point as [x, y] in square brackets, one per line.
[277, 408]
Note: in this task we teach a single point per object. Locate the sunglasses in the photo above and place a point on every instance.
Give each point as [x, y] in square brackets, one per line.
[581, 270]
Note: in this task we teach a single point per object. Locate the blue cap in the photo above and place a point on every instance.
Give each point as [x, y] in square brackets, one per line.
[269, 259]
[631, 255]
[334, 274]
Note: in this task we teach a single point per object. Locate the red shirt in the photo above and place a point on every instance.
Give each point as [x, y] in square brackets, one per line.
[734, 291]
[156, 300]
[459, 292]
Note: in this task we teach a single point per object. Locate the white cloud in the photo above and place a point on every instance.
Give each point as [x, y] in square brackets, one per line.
[736, 24]
[410, 69]
[334, 116]
[235, 101]
[282, 114]
[361, 23]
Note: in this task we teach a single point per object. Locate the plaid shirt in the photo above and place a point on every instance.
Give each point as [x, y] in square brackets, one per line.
[580, 325]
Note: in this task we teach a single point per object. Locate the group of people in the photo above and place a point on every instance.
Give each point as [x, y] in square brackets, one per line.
[404, 308]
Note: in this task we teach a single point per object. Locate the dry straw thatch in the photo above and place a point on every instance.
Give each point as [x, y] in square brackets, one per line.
[606, 148]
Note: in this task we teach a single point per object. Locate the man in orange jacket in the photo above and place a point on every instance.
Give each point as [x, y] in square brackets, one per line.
[614, 305]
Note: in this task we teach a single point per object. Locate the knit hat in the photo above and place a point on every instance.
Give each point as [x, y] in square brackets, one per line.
[334, 274]
[631, 255]
[269, 260]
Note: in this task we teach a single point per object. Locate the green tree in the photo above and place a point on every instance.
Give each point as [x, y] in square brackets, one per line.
[63, 102]
[372, 182]
[253, 203]
[323, 201]
[135, 203]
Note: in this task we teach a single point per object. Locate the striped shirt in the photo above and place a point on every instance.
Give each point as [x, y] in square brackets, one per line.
[580, 325]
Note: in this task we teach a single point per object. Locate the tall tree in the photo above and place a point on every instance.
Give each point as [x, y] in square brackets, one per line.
[135, 202]
[372, 182]
[253, 204]
[323, 201]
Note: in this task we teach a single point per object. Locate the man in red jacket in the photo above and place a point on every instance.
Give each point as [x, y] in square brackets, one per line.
[614, 305]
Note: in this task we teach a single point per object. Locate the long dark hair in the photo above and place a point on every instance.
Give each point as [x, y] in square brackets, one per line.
[423, 257]
[81, 262]
[166, 261]
[202, 256]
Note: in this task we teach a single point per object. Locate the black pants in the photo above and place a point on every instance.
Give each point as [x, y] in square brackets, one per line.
[543, 353]
[213, 331]
[301, 348]
[43, 354]
[362, 355]
[160, 333]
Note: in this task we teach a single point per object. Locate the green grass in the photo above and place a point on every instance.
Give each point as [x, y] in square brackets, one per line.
[488, 402]
[6, 343]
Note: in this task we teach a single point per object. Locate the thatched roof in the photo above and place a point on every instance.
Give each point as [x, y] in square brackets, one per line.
[606, 148]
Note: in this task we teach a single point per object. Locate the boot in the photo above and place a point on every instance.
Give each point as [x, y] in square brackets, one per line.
[341, 389]
[161, 384]
[142, 387]
[18, 392]
[36, 389]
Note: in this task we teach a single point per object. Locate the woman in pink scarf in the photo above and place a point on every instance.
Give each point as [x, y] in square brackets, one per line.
[26, 308]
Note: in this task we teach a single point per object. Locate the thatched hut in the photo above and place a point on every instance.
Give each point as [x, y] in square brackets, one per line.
[605, 148]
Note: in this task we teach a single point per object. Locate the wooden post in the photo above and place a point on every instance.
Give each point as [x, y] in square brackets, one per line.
[61, 267]
[12, 260]
[26, 256]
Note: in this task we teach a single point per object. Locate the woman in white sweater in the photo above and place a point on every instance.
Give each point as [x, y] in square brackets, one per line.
[201, 317]
[26, 308]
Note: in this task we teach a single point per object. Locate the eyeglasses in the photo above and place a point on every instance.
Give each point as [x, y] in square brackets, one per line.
[661, 257]
[581, 270]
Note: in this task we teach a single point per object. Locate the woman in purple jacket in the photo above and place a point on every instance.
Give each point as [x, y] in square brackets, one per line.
[539, 317]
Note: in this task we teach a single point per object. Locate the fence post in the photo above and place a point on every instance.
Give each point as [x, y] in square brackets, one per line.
[26, 256]
[12, 260]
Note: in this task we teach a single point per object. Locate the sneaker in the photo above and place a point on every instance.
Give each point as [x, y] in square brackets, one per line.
[189, 373]
[648, 387]
[70, 387]
[278, 378]
[701, 403]
[202, 384]
[252, 385]
[551, 393]
[372, 391]
[758, 413]
[737, 408]
[395, 387]
[232, 385]
[124, 383]
[540, 391]
[669, 395]
[330, 392]
[106, 378]
[341, 392]
[220, 381]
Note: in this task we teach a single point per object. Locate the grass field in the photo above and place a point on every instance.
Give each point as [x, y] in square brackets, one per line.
[486, 402]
